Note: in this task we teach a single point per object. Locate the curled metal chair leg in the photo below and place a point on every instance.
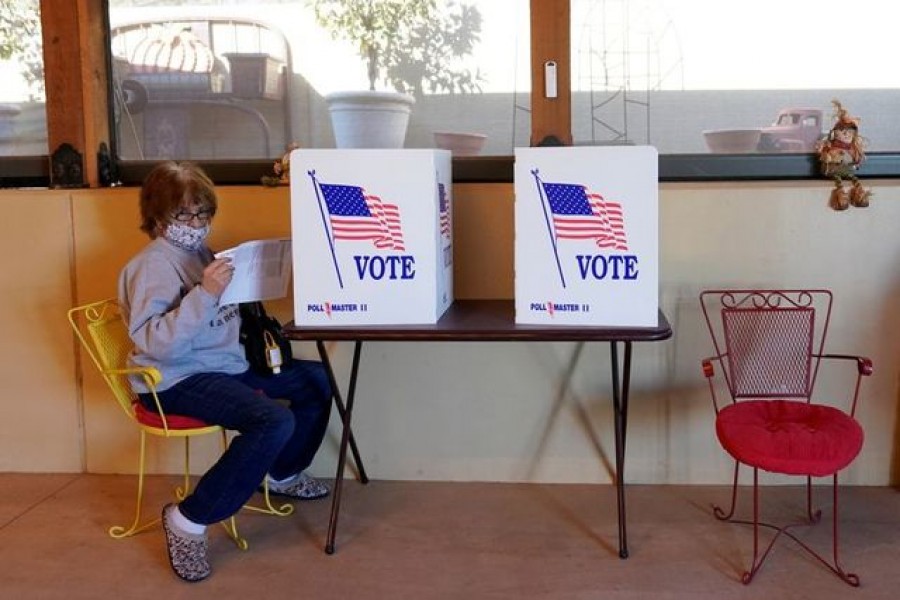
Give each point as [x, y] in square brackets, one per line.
[120, 531]
[717, 510]
[813, 517]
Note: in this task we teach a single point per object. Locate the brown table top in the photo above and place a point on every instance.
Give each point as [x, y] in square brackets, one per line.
[481, 320]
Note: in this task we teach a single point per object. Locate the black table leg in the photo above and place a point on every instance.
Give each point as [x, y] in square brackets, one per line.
[339, 404]
[342, 453]
[620, 409]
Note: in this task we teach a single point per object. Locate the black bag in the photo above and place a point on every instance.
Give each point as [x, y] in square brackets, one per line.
[264, 344]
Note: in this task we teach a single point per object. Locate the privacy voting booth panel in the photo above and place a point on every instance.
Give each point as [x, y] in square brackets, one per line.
[372, 237]
[587, 239]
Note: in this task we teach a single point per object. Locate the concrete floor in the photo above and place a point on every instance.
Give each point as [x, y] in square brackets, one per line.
[426, 541]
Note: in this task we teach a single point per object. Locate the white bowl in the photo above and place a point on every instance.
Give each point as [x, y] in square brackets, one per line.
[732, 141]
[460, 144]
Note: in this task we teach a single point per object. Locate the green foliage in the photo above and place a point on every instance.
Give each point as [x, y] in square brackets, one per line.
[410, 45]
[20, 39]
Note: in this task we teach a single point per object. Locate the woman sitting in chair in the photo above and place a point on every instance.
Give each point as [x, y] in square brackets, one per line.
[169, 293]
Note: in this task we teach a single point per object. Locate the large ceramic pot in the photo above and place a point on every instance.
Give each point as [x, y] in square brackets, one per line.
[369, 119]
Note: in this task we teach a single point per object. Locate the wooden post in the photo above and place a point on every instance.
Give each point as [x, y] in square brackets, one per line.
[76, 78]
[551, 118]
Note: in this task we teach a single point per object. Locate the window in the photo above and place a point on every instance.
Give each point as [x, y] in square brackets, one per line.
[703, 77]
[192, 85]
[23, 120]
[685, 68]
[184, 69]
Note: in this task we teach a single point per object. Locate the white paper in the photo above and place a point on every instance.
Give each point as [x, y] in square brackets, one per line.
[262, 270]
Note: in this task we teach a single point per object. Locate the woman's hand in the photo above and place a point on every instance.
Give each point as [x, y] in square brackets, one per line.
[217, 275]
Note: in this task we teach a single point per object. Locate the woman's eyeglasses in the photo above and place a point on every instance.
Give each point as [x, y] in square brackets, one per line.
[186, 216]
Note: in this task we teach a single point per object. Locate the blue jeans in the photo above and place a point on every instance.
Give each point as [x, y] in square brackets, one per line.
[273, 439]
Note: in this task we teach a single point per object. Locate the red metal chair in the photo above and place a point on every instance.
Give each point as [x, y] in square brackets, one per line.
[769, 347]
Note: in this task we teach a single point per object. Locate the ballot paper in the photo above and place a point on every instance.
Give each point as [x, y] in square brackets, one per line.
[262, 270]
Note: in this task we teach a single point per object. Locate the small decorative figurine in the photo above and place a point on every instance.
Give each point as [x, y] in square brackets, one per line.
[281, 169]
[840, 155]
[66, 167]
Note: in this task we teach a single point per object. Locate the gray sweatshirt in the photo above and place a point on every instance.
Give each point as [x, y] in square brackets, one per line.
[176, 325]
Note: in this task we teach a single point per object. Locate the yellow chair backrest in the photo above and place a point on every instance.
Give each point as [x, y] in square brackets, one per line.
[104, 336]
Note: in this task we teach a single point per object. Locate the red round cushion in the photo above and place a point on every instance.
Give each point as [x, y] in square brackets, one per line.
[790, 437]
[152, 419]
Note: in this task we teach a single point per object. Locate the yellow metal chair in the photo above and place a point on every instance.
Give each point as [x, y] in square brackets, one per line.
[103, 335]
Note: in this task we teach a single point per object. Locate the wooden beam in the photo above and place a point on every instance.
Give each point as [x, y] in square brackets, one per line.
[551, 118]
[75, 77]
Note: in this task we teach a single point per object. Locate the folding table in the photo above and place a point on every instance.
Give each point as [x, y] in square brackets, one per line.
[481, 321]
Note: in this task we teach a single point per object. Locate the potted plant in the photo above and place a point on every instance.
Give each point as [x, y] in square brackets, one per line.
[410, 46]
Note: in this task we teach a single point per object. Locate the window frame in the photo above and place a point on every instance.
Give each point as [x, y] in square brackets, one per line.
[83, 89]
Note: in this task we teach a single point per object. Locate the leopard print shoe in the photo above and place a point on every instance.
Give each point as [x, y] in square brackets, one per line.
[301, 486]
[187, 552]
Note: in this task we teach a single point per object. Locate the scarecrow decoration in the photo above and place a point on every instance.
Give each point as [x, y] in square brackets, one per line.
[840, 155]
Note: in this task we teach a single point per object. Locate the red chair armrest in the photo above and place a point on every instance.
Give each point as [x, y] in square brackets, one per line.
[864, 365]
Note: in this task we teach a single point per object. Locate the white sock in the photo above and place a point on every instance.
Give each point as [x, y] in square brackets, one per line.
[186, 525]
[290, 479]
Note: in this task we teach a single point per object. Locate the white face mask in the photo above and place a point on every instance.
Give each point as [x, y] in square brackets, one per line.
[186, 237]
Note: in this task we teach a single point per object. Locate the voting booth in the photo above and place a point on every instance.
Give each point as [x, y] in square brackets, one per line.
[587, 248]
[372, 236]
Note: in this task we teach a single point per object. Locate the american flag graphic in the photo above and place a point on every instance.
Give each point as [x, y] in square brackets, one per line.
[356, 216]
[579, 214]
[444, 212]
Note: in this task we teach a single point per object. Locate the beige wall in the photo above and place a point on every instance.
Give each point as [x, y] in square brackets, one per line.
[469, 411]
[40, 416]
